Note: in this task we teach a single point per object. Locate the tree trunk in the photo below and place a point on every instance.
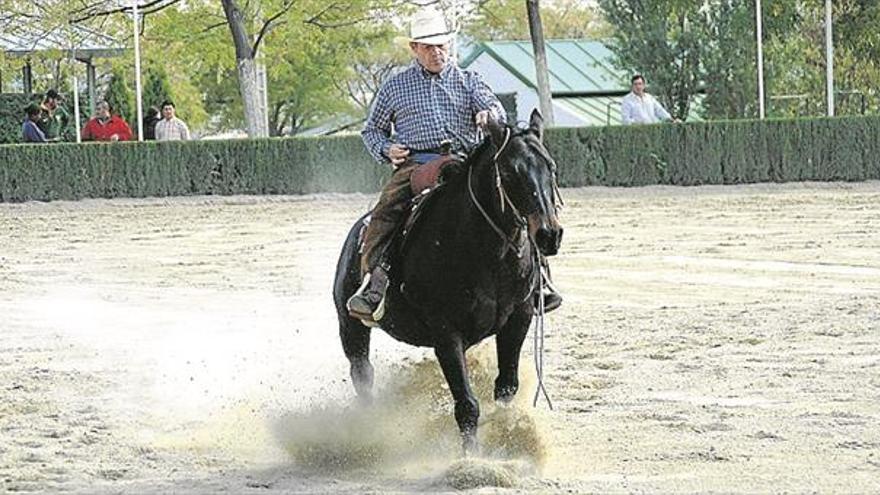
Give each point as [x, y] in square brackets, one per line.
[247, 71]
[537, 31]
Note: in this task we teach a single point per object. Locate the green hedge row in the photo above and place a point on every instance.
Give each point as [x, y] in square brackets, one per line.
[262, 166]
[726, 152]
[682, 154]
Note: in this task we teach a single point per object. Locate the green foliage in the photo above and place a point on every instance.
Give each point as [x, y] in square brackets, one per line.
[682, 45]
[157, 87]
[309, 53]
[131, 169]
[11, 117]
[721, 152]
[724, 152]
[508, 20]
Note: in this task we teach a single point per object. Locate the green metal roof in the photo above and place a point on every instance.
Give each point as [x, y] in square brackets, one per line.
[573, 65]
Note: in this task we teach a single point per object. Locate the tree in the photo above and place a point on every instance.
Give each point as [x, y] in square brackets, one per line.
[374, 58]
[248, 25]
[508, 20]
[537, 35]
[157, 88]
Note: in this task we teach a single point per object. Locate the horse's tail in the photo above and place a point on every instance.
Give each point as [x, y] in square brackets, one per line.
[348, 268]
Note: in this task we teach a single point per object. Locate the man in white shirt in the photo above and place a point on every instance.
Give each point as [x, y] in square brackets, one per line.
[638, 107]
[170, 128]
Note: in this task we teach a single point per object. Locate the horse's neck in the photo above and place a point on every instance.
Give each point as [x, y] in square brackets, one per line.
[480, 192]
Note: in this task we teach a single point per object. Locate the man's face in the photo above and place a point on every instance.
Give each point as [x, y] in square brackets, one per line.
[103, 110]
[168, 112]
[52, 103]
[431, 57]
[639, 86]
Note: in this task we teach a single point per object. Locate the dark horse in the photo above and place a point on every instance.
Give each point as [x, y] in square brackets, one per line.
[467, 269]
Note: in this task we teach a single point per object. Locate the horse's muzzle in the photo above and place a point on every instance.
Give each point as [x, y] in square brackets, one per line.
[549, 240]
[547, 233]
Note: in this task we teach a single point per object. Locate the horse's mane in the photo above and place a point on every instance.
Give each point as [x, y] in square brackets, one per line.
[455, 172]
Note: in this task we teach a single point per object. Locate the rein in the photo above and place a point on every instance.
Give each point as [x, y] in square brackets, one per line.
[538, 348]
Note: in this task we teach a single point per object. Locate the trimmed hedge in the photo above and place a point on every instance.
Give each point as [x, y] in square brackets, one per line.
[823, 149]
[720, 152]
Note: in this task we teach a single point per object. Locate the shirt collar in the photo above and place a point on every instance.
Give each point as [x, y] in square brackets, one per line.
[443, 74]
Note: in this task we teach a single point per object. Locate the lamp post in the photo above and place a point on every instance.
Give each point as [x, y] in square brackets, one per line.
[137, 73]
[759, 35]
[829, 59]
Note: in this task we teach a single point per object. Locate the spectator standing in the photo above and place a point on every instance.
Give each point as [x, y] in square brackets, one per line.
[53, 117]
[30, 131]
[105, 126]
[171, 128]
[638, 107]
[150, 121]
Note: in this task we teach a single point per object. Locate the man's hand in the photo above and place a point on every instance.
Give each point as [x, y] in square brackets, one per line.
[397, 153]
[482, 118]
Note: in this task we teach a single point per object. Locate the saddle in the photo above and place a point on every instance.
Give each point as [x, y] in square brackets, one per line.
[424, 181]
[427, 176]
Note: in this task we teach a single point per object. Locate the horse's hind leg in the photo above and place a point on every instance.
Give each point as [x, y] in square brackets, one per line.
[508, 343]
[356, 345]
[467, 409]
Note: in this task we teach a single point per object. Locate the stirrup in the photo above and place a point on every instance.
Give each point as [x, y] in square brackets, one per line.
[377, 314]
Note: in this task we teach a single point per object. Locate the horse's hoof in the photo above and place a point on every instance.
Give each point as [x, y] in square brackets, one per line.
[505, 395]
[470, 447]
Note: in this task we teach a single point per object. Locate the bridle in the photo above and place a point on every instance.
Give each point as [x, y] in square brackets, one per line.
[510, 244]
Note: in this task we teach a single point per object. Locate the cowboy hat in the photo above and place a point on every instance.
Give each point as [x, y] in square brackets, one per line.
[429, 26]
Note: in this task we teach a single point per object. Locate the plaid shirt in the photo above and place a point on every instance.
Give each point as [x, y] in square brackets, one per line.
[426, 109]
[172, 130]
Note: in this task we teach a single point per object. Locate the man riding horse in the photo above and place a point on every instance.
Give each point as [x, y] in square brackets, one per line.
[431, 105]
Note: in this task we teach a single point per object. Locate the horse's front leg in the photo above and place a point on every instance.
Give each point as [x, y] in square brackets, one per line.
[356, 344]
[467, 409]
[508, 343]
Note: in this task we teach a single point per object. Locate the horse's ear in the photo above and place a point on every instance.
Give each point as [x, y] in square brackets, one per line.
[536, 124]
[496, 131]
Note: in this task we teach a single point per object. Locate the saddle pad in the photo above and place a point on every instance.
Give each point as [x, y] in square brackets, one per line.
[426, 176]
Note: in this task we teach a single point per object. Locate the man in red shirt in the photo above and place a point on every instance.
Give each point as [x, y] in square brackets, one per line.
[106, 127]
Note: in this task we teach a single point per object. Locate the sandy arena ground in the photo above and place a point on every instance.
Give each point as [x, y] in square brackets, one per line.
[713, 339]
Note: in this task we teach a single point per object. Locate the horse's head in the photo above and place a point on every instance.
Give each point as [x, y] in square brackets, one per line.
[528, 178]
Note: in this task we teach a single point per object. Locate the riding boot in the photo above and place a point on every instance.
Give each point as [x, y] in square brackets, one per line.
[368, 302]
[552, 298]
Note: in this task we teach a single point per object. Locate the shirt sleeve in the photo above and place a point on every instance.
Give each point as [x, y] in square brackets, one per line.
[184, 130]
[660, 112]
[377, 130]
[484, 98]
[626, 112]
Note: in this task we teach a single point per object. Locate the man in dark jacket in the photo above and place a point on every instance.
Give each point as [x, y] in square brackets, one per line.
[30, 131]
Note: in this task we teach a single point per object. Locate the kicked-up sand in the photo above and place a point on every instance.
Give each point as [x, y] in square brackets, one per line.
[712, 339]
